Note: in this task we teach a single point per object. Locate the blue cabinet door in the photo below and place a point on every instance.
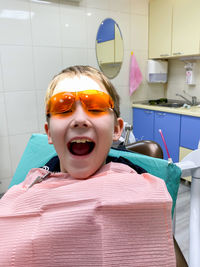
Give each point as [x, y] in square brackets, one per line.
[190, 132]
[169, 123]
[143, 124]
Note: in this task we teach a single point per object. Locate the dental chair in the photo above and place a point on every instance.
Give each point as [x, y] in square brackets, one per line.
[148, 148]
[146, 154]
[145, 147]
[153, 149]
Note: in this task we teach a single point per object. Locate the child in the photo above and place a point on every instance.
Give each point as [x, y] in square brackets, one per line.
[81, 211]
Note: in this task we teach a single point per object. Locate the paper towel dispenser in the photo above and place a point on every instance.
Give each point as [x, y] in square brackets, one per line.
[157, 71]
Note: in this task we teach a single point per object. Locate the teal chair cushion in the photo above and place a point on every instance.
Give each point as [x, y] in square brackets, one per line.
[38, 152]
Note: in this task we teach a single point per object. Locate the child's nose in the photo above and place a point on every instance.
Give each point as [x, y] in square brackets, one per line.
[80, 117]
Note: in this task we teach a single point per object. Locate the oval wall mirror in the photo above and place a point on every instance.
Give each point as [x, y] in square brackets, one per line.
[109, 48]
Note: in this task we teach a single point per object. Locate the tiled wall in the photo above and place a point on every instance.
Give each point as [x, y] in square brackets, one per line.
[38, 38]
[177, 80]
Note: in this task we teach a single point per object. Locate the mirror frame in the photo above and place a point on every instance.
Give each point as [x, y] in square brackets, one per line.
[109, 48]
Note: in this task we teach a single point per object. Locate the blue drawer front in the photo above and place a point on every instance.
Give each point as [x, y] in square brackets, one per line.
[143, 123]
[169, 123]
[190, 132]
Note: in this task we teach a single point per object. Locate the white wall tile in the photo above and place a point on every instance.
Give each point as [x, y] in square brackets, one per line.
[1, 78]
[126, 112]
[177, 80]
[94, 17]
[74, 56]
[103, 4]
[142, 57]
[17, 64]
[92, 58]
[41, 109]
[154, 91]
[120, 5]
[47, 63]
[5, 163]
[148, 91]
[176, 71]
[15, 27]
[3, 122]
[4, 184]
[21, 109]
[17, 146]
[122, 79]
[125, 104]
[139, 7]
[139, 32]
[171, 90]
[73, 26]
[46, 24]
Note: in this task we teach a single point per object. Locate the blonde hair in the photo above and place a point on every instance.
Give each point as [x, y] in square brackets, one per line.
[93, 74]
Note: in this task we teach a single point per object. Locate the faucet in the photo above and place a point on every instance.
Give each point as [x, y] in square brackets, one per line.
[192, 103]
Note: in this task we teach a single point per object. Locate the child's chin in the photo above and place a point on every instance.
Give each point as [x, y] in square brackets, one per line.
[82, 174]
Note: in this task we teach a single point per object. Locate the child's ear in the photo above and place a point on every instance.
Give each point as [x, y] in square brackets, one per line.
[119, 124]
[46, 127]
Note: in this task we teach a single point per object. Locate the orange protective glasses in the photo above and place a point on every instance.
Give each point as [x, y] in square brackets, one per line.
[95, 102]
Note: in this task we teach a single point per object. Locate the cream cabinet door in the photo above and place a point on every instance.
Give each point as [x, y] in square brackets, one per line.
[160, 28]
[186, 27]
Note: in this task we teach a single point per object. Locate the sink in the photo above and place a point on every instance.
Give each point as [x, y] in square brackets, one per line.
[165, 102]
[171, 105]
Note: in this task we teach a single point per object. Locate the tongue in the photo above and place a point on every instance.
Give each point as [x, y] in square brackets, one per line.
[80, 148]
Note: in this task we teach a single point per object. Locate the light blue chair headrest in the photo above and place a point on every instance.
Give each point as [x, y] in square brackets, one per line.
[38, 152]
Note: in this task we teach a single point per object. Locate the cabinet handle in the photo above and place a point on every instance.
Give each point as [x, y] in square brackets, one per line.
[177, 53]
[164, 55]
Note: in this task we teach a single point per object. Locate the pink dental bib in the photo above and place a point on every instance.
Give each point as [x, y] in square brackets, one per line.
[115, 218]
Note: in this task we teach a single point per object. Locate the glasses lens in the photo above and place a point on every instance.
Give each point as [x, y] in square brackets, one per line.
[61, 103]
[96, 100]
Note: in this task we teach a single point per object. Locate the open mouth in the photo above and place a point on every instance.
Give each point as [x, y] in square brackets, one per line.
[81, 147]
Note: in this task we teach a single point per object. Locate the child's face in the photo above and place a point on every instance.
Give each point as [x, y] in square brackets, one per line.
[82, 141]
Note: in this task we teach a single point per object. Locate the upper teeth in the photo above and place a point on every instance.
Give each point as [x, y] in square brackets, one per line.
[80, 141]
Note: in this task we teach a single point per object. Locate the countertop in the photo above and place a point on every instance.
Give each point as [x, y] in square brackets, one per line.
[192, 111]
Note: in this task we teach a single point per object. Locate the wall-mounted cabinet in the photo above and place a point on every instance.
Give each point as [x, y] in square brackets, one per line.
[186, 25]
[160, 28]
[174, 28]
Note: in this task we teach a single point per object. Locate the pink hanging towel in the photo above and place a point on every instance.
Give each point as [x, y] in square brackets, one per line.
[135, 77]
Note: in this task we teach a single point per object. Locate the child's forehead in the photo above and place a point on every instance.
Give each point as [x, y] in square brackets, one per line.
[78, 83]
